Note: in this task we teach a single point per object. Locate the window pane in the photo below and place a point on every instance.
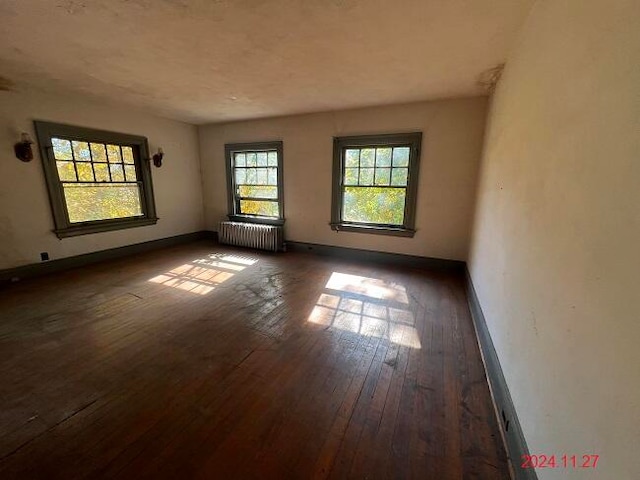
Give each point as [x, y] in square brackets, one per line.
[85, 172]
[113, 151]
[259, 207]
[127, 155]
[383, 176]
[262, 176]
[351, 158]
[88, 202]
[258, 192]
[399, 177]
[66, 172]
[374, 205]
[366, 176]
[367, 157]
[241, 176]
[273, 176]
[383, 157]
[102, 172]
[61, 149]
[98, 153]
[401, 157]
[241, 160]
[130, 171]
[81, 151]
[381, 195]
[252, 176]
[117, 174]
[350, 176]
[79, 181]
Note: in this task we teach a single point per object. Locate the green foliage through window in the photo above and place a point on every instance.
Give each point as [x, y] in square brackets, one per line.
[261, 208]
[99, 180]
[255, 180]
[369, 175]
[88, 202]
[375, 205]
[374, 188]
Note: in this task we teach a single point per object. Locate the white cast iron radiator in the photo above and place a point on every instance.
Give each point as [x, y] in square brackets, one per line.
[263, 237]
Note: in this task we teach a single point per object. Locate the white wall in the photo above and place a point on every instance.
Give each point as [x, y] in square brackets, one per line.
[26, 222]
[555, 253]
[452, 140]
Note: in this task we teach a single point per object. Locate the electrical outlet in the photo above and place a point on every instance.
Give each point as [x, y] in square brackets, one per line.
[44, 256]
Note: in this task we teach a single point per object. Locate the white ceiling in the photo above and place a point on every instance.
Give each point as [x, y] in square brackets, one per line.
[218, 60]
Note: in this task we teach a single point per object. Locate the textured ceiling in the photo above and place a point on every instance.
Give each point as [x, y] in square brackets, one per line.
[218, 60]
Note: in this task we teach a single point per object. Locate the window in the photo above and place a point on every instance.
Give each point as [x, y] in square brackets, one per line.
[375, 180]
[254, 176]
[97, 180]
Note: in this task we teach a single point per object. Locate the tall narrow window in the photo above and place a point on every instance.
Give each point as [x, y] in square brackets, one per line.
[97, 180]
[254, 177]
[375, 183]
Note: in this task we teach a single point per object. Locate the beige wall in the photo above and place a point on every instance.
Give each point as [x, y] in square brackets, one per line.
[25, 215]
[555, 252]
[452, 142]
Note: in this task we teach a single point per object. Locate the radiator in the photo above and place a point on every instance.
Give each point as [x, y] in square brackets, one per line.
[263, 237]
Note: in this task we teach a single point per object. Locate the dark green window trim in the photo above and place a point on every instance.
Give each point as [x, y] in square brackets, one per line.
[233, 199]
[45, 131]
[340, 145]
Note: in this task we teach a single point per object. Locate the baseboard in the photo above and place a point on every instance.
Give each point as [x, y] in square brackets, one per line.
[37, 269]
[377, 257]
[510, 428]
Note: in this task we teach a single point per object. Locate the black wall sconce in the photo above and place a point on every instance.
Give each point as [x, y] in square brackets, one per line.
[157, 157]
[23, 148]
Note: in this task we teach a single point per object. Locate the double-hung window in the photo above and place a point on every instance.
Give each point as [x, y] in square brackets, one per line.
[375, 181]
[254, 178]
[97, 180]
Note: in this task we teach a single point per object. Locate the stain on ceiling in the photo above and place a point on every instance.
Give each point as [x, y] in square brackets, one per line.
[204, 61]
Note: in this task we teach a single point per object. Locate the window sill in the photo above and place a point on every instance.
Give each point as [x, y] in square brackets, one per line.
[254, 219]
[97, 227]
[375, 229]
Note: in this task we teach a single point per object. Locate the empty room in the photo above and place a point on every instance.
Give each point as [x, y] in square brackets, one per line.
[330, 239]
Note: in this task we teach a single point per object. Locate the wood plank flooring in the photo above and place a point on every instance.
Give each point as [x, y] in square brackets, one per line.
[204, 361]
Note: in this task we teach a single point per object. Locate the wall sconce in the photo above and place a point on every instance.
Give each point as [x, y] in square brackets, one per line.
[157, 157]
[23, 148]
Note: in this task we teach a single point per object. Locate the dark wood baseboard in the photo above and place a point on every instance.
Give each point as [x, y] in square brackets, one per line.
[37, 269]
[511, 430]
[376, 257]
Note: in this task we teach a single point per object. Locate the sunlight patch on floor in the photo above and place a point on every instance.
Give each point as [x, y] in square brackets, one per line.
[366, 306]
[371, 287]
[202, 275]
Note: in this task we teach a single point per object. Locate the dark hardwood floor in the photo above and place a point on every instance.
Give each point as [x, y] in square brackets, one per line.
[204, 361]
